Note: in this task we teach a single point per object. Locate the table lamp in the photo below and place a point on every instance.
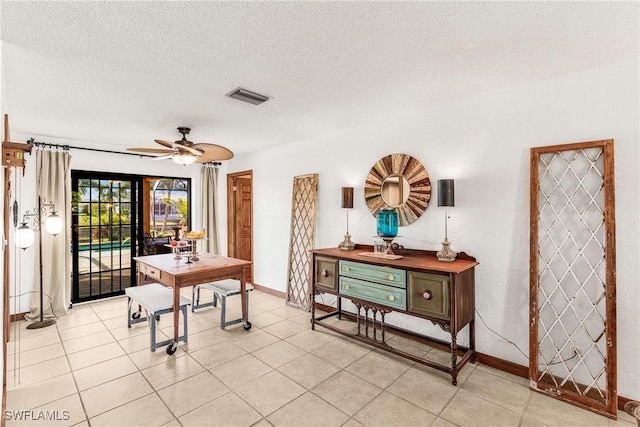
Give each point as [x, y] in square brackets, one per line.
[446, 200]
[347, 203]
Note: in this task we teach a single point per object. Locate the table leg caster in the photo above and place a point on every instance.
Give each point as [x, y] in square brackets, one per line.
[246, 325]
[135, 315]
[171, 349]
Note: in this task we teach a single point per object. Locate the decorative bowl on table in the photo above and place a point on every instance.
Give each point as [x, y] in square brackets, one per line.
[195, 234]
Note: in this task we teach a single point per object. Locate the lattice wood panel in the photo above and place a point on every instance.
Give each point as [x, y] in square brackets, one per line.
[303, 233]
[572, 276]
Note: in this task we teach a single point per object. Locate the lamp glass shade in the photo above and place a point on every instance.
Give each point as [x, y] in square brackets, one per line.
[446, 195]
[53, 224]
[347, 197]
[184, 159]
[24, 236]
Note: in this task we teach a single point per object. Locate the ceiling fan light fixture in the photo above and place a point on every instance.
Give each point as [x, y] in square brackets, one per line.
[184, 159]
[245, 95]
[185, 152]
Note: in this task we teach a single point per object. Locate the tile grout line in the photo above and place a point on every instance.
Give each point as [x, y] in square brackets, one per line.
[154, 391]
[218, 379]
[113, 379]
[73, 377]
[230, 390]
[230, 338]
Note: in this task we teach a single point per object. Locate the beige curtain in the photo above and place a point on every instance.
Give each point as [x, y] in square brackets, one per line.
[209, 200]
[53, 184]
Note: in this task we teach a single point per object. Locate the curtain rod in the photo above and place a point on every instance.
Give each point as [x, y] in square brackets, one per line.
[35, 143]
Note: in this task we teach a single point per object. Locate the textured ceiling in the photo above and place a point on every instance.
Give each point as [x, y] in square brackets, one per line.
[122, 74]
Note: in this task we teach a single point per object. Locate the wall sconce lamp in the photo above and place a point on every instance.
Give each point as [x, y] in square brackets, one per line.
[25, 236]
[347, 203]
[446, 198]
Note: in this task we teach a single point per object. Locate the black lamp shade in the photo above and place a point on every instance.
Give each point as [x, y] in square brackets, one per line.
[347, 197]
[446, 196]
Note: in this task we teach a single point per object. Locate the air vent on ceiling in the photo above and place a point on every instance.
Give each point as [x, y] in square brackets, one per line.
[248, 96]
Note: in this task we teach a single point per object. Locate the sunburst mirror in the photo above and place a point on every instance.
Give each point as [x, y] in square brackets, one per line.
[400, 182]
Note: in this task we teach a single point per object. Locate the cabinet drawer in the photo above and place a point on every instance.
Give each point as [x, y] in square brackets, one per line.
[428, 294]
[373, 292]
[149, 271]
[374, 273]
[326, 273]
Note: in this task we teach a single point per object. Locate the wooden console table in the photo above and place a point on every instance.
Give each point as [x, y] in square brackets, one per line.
[417, 285]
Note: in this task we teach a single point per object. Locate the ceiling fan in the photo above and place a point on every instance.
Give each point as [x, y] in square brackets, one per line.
[186, 152]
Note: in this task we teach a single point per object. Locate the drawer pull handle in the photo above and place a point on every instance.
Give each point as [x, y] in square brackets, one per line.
[390, 277]
[391, 298]
[427, 294]
[324, 273]
[346, 268]
[346, 286]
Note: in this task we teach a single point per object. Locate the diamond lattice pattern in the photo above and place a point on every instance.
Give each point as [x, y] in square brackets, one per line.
[303, 229]
[572, 283]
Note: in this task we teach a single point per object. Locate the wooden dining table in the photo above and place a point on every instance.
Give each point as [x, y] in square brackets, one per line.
[165, 269]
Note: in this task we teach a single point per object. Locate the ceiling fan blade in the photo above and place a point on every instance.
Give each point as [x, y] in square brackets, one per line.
[165, 143]
[168, 156]
[151, 150]
[191, 150]
[212, 153]
[179, 145]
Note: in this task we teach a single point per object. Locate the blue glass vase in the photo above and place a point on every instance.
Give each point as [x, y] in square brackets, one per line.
[387, 223]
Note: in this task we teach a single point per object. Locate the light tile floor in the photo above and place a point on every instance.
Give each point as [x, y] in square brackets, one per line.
[94, 371]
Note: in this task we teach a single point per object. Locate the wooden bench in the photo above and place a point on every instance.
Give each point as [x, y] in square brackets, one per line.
[156, 300]
[221, 289]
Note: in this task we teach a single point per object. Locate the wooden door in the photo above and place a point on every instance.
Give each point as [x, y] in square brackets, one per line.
[240, 218]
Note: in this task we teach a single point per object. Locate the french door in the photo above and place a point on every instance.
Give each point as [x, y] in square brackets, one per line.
[105, 233]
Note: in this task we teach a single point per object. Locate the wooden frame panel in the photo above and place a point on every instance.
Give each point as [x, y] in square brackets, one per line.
[304, 203]
[559, 175]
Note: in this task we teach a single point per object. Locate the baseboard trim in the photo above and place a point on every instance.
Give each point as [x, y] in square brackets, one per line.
[503, 365]
[270, 291]
[18, 316]
[323, 307]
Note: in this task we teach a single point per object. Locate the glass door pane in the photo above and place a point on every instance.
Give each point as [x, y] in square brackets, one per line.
[104, 236]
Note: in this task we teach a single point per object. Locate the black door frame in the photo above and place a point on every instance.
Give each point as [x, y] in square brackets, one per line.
[136, 213]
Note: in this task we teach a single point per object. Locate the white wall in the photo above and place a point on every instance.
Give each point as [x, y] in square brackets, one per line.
[483, 143]
[4, 238]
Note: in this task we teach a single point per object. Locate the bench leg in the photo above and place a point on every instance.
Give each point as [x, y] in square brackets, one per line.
[153, 330]
[195, 299]
[184, 315]
[247, 303]
[223, 310]
[129, 303]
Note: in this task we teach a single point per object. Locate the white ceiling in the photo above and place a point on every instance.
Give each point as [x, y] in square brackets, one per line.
[121, 74]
